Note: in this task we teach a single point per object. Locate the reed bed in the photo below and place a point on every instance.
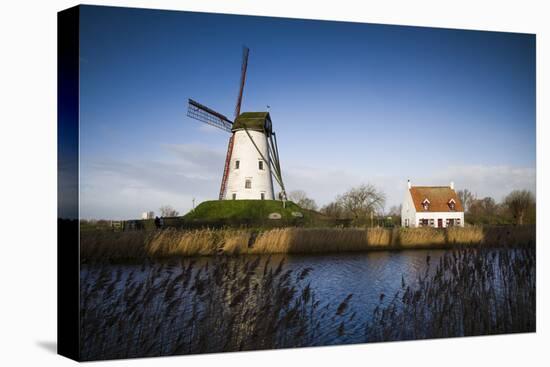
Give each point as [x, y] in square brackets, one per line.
[423, 237]
[200, 242]
[233, 303]
[473, 291]
[228, 304]
[292, 240]
[98, 245]
[473, 235]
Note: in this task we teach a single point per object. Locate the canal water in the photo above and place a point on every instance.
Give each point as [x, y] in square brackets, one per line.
[367, 279]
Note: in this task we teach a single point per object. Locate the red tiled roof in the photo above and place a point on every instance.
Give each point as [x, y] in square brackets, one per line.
[438, 196]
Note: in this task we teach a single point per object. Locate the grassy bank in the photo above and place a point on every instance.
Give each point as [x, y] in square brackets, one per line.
[172, 242]
[221, 214]
[242, 210]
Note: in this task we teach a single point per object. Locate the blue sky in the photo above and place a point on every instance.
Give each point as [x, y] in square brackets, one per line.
[351, 103]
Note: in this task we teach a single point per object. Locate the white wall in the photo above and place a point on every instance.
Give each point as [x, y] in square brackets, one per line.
[248, 157]
[439, 215]
[408, 211]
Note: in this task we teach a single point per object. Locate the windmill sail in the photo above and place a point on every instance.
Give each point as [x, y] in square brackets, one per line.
[226, 166]
[207, 115]
[244, 66]
[252, 147]
[274, 152]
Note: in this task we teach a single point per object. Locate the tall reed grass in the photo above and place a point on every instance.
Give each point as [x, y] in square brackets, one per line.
[292, 240]
[473, 291]
[233, 303]
[228, 304]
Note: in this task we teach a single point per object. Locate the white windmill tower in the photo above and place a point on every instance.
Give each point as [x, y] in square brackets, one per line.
[252, 155]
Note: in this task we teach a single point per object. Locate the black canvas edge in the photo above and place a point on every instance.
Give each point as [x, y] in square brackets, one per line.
[68, 263]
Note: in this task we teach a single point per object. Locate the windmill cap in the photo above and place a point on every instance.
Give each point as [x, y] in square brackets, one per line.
[256, 121]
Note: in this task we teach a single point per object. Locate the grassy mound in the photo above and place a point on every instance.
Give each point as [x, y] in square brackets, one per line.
[244, 210]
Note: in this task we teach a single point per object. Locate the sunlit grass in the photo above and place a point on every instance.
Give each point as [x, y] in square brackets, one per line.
[205, 242]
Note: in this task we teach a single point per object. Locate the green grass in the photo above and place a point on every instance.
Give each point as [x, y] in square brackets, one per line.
[245, 210]
[231, 214]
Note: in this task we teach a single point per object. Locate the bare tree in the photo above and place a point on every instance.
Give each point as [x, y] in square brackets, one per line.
[395, 210]
[485, 206]
[168, 211]
[296, 195]
[333, 210]
[518, 202]
[361, 201]
[484, 211]
[394, 215]
[466, 198]
[300, 197]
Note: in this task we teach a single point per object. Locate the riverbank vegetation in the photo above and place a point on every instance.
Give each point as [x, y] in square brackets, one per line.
[241, 209]
[105, 246]
[226, 214]
[364, 206]
[476, 291]
[518, 207]
[167, 309]
[361, 206]
[248, 303]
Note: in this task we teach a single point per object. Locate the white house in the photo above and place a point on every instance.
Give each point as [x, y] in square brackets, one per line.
[249, 175]
[431, 206]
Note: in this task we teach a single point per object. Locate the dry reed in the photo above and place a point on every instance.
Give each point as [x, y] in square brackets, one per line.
[246, 303]
[205, 242]
[475, 290]
[228, 304]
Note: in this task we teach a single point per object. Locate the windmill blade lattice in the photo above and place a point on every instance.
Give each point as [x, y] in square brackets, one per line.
[244, 150]
[207, 115]
[244, 67]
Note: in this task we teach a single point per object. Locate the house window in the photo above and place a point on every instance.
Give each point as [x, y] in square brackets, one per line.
[407, 222]
[248, 183]
[426, 204]
[452, 204]
[457, 221]
[262, 195]
[423, 222]
[431, 223]
[261, 165]
[234, 196]
[237, 164]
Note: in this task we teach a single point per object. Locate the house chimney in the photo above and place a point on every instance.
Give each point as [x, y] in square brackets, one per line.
[452, 185]
[409, 183]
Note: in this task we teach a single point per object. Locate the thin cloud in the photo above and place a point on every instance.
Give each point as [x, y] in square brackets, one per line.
[123, 189]
[495, 181]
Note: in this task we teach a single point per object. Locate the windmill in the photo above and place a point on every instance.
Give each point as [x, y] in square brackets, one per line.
[252, 158]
